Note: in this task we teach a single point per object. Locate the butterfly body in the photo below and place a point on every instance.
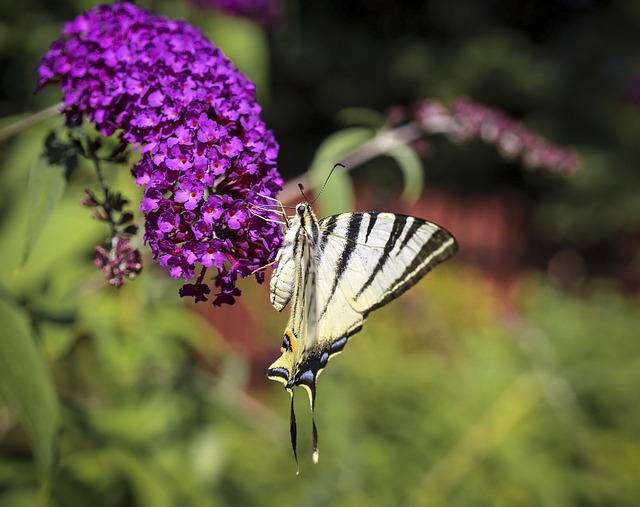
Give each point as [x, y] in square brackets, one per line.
[336, 271]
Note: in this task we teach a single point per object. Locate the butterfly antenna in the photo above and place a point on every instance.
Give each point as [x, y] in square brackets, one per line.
[301, 188]
[327, 180]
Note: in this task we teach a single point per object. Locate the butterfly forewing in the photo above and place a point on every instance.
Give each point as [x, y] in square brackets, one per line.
[371, 258]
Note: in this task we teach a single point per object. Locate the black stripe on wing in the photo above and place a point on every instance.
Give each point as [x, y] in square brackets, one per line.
[373, 218]
[399, 222]
[328, 226]
[353, 230]
[414, 226]
[437, 249]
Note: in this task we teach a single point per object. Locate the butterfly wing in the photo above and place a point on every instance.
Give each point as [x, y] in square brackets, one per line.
[363, 261]
[366, 260]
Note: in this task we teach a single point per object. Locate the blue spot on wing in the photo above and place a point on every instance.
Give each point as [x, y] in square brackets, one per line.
[339, 344]
[306, 377]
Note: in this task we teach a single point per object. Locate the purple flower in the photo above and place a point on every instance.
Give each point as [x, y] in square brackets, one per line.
[122, 261]
[206, 156]
[189, 192]
[468, 120]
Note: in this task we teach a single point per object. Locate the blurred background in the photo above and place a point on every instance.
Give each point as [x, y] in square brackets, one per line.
[509, 376]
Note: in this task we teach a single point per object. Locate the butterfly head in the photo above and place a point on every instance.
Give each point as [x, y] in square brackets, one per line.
[304, 221]
[301, 209]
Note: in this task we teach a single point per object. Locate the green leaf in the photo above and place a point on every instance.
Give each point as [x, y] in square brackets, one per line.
[338, 195]
[362, 116]
[411, 166]
[25, 381]
[47, 180]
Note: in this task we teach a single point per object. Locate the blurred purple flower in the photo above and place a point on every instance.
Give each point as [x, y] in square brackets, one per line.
[206, 156]
[466, 120]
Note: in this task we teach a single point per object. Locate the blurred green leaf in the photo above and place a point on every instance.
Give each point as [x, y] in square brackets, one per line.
[362, 116]
[60, 255]
[150, 486]
[47, 180]
[142, 420]
[244, 43]
[22, 497]
[337, 195]
[411, 166]
[25, 380]
[57, 339]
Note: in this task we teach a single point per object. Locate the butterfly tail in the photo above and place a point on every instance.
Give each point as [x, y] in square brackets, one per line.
[309, 383]
[293, 430]
[315, 435]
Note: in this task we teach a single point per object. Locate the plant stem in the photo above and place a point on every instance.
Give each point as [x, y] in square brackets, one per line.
[28, 121]
[105, 189]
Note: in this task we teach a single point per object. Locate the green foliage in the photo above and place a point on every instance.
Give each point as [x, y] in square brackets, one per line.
[463, 392]
[24, 380]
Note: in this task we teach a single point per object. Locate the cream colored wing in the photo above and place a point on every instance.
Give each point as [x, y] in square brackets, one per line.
[366, 260]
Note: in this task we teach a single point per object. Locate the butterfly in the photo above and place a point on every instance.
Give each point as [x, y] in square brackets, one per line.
[334, 272]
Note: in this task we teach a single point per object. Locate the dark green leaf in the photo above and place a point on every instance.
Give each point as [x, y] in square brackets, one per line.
[24, 379]
[116, 200]
[126, 217]
[59, 152]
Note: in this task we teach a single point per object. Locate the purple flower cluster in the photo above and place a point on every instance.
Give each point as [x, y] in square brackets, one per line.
[263, 11]
[206, 156]
[468, 120]
[120, 262]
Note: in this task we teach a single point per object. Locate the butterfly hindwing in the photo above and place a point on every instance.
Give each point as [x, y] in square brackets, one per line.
[334, 272]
